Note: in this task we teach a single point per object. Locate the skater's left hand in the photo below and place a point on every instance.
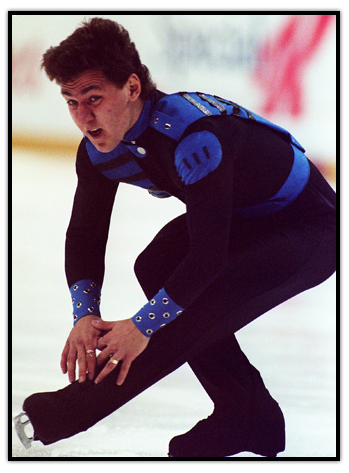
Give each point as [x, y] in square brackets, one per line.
[122, 342]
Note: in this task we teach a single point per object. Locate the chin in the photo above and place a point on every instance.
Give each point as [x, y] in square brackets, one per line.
[105, 147]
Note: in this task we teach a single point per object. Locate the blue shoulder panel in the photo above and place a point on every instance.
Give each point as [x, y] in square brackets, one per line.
[197, 155]
[291, 138]
[174, 113]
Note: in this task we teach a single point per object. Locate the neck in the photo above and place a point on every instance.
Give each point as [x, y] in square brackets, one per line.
[136, 111]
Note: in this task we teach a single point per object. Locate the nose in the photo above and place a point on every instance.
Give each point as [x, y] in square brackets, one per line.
[84, 114]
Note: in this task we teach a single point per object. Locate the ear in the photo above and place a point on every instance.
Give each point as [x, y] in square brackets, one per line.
[134, 87]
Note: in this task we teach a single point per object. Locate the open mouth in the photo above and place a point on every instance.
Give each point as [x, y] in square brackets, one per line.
[95, 133]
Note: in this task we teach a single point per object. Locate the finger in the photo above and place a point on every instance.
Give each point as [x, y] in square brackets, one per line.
[109, 367]
[64, 356]
[102, 324]
[91, 362]
[123, 371]
[104, 356]
[101, 344]
[71, 362]
[82, 364]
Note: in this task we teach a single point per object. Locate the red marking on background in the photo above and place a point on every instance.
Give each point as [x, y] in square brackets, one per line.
[282, 61]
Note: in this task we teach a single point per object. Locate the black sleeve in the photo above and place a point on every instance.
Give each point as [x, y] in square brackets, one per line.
[209, 203]
[88, 229]
[254, 164]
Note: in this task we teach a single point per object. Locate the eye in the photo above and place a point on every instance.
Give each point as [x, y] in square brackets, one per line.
[72, 103]
[94, 99]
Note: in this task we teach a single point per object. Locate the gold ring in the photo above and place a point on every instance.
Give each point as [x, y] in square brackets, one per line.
[90, 352]
[115, 362]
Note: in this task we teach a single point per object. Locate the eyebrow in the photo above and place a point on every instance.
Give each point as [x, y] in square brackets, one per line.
[83, 91]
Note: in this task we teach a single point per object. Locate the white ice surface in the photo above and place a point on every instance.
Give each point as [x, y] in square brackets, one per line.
[294, 345]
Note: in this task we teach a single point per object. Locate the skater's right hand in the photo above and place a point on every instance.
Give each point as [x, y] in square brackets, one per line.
[80, 348]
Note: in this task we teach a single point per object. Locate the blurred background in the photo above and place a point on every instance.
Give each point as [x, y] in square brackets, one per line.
[280, 66]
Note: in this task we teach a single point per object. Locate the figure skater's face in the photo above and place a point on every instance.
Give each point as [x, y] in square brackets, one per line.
[101, 110]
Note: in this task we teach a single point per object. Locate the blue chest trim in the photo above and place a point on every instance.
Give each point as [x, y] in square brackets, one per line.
[124, 169]
[97, 157]
[121, 172]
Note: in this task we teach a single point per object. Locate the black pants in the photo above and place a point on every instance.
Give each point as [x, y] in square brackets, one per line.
[269, 261]
[266, 266]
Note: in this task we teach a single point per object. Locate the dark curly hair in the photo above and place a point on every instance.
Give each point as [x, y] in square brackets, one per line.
[99, 44]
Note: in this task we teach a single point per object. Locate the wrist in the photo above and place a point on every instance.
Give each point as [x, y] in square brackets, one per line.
[157, 313]
[86, 295]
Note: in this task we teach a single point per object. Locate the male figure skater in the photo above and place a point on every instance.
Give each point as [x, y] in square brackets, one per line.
[259, 228]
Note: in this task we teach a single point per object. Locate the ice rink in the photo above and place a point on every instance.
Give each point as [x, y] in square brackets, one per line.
[294, 345]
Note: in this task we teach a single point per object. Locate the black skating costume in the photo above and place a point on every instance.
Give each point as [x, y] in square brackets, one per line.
[259, 229]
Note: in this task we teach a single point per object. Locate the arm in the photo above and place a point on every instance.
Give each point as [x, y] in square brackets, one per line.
[86, 240]
[88, 228]
[205, 167]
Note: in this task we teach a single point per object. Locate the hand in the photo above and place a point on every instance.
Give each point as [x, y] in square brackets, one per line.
[122, 342]
[80, 347]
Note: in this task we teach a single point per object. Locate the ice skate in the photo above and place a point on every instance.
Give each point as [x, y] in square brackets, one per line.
[217, 436]
[20, 429]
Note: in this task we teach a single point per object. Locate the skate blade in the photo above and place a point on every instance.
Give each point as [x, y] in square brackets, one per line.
[19, 427]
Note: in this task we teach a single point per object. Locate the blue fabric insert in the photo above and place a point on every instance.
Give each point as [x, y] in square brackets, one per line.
[120, 172]
[86, 296]
[97, 157]
[157, 313]
[197, 155]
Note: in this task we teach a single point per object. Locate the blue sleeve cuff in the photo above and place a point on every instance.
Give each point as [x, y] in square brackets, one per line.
[86, 298]
[157, 313]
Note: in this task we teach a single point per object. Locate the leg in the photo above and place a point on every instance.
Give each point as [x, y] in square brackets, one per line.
[257, 278]
[225, 373]
[245, 416]
[162, 256]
